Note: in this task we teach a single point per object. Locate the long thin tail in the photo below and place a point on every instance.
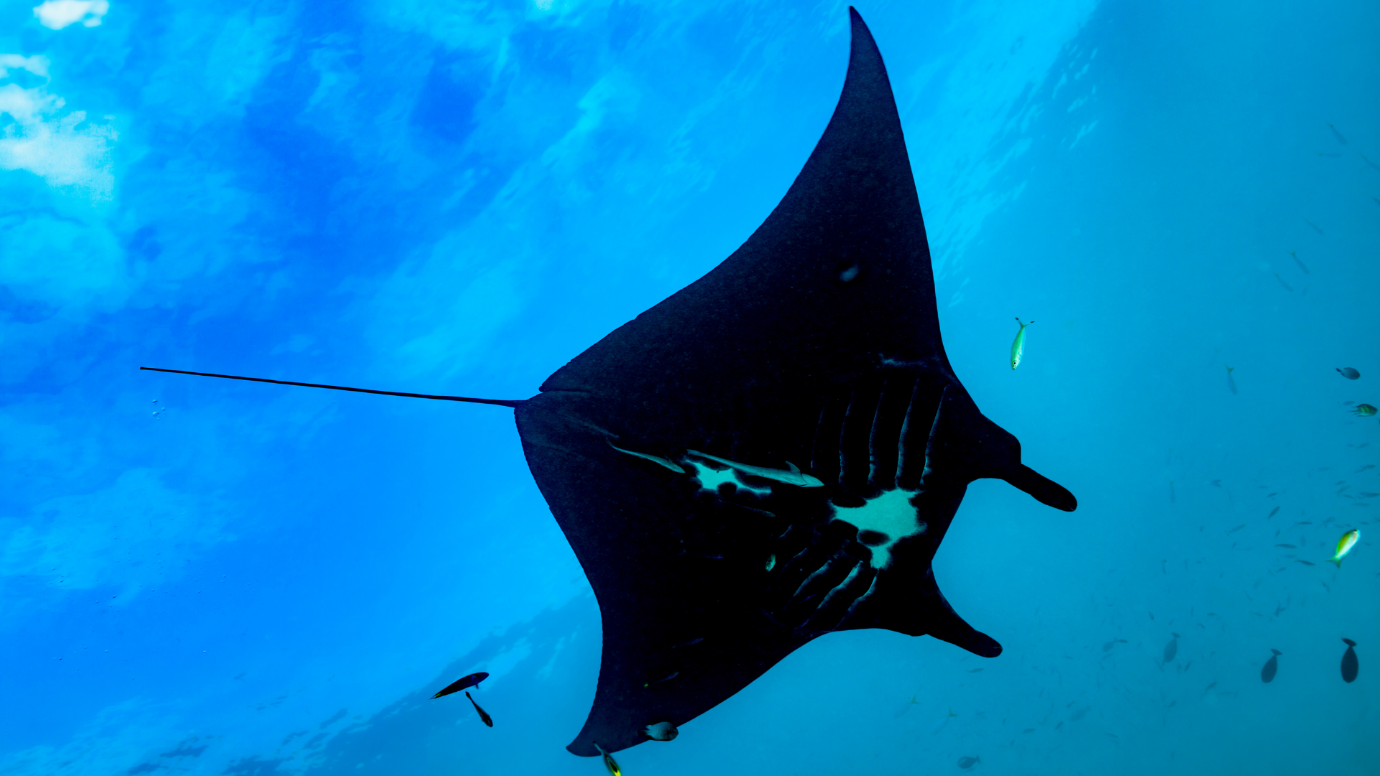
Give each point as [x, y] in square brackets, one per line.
[499, 402]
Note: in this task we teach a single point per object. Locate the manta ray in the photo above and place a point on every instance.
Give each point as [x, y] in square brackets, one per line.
[774, 452]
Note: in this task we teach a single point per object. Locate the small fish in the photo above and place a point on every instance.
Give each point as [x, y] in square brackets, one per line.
[967, 762]
[463, 683]
[1344, 545]
[609, 762]
[656, 459]
[1368, 495]
[1209, 687]
[908, 704]
[1282, 283]
[1350, 665]
[1306, 563]
[1267, 674]
[1337, 134]
[1348, 373]
[1316, 228]
[661, 731]
[665, 678]
[1273, 512]
[1018, 345]
[792, 477]
[771, 561]
[1369, 163]
[938, 726]
[483, 715]
[1171, 649]
[1108, 646]
[1287, 546]
[1238, 528]
[1364, 410]
[1231, 382]
[1369, 465]
[1300, 263]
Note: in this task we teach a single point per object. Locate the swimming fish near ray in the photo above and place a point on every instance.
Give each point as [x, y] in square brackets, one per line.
[816, 342]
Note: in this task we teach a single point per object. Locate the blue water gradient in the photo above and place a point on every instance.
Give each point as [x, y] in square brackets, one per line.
[208, 577]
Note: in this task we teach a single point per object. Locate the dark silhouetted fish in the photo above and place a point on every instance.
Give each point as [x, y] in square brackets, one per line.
[1108, 646]
[1231, 381]
[1282, 283]
[1348, 373]
[1171, 649]
[463, 683]
[817, 343]
[967, 762]
[1273, 512]
[1337, 134]
[1299, 262]
[1267, 674]
[1350, 665]
[1316, 228]
[483, 715]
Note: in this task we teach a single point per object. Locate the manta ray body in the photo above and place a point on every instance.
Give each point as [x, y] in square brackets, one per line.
[776, 451]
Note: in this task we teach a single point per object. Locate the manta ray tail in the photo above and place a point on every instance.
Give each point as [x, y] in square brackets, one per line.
[499, 402]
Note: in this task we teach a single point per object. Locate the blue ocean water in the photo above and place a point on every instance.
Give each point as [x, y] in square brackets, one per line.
[207, 577]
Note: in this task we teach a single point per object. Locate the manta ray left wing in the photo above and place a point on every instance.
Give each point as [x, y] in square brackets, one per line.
[776, 451]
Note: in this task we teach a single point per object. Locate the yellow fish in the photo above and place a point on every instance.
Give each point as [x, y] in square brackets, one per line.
[609, 762]
[1345, 544]
[1018, 347]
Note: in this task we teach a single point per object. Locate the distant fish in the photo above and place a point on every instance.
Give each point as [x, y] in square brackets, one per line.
[1299, 262]
[1287, 546]
[1306, 563]
[1273, 512]
[1348, 373]
[906, 707]
[1364, 410]
[1018, 345]
[967, 762]
[463, 683]
[1238, 528]
[483, 715]
[1171, 649]
[938, 726]
[661, 731]
[609, 762]
[1369, 465]
[1369, 163]
[1316, 228]
[1282, 283]
[1350, 665]
[1337, 134]
[1368, 495]
[1108, 646]
[1267, 674]
[1344, 545]
[1231, 381]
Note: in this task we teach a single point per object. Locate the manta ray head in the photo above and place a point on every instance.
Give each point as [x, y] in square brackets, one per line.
[896, 451]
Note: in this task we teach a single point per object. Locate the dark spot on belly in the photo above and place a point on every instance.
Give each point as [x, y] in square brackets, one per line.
[873, 538]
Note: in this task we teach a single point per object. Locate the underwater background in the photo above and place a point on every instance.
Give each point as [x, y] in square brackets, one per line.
[206, 577]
